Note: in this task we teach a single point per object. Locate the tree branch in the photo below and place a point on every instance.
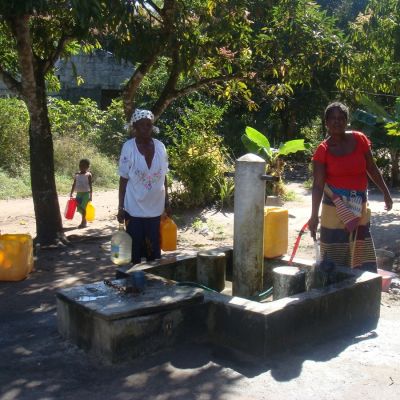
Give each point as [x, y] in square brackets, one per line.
[152, 4]
[134, 82]
[130, 90]
[12, 84]
[50, 61]
[168, 97]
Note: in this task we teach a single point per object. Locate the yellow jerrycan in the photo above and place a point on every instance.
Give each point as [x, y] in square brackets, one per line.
[276, 227]
[16, 256]
[121, 246]
[90, 212]
[168, 234]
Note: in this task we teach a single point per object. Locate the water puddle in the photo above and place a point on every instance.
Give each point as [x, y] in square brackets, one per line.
[89, 298]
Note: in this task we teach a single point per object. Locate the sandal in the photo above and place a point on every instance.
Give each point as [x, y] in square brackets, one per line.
[83, 225]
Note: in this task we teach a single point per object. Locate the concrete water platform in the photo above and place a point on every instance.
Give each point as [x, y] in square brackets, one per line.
[117, 326]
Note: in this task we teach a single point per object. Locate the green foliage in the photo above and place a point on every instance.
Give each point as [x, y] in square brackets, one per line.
[197, 156]
[226, 192]
[14, 187]
[313, 134]
[382, 126]
[86, 122]
[296, 40]
[14, 141]
[257, 143]
[113, 133]
[79, 130]
[81, 121]
[344, 10]
[375, 37]
[67, 153]
[393, 127]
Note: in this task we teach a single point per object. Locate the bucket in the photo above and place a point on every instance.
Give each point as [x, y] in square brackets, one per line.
[90, 212]
[384, 259]
[70, 208]
[16, 256]
[276, 227]
[168, 234]
[387, 277]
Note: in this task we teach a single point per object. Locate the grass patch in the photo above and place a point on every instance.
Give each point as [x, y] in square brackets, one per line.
[289, 195]
[14, 187]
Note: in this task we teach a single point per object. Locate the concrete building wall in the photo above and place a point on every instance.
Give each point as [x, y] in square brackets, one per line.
[103, 77]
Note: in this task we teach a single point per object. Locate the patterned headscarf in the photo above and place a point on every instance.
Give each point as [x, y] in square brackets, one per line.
[141, 114]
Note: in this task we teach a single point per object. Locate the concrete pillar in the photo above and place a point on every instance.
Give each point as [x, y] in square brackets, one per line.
[248, 230]
[211, 267]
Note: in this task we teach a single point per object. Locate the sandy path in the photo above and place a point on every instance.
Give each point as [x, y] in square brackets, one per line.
[17, 216]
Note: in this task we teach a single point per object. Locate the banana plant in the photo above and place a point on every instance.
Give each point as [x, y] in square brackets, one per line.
[257, 143]
[383, 128]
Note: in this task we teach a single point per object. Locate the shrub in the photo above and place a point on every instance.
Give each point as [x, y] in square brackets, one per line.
[68, 152]
[113, 133]
[14, 137]
[83, 120]
[197, 156]
[14, 187]
[77, 130]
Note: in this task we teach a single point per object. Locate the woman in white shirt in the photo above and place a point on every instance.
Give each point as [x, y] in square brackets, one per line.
[143, 195]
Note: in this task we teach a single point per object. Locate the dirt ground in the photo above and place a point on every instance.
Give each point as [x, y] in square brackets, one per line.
[36, 363]
[199, 229]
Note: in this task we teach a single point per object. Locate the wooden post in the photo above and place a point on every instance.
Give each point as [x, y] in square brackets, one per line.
[211, 267]
[287, 281]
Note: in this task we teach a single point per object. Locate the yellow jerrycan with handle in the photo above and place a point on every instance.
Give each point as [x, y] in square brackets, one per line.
[168, 234]
[16, 256]
[276, 230]
[90, 212]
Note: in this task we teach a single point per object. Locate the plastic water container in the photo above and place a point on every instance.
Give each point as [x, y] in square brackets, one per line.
[70, 208]
[90, 212]
[121, 247]
[168, 234]
[276, 227]
[16, 256]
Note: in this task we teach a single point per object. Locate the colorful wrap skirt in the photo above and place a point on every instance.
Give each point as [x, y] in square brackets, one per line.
[354, 249]
[82, 198]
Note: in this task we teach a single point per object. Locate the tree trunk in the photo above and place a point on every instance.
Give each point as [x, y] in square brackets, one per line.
[33, 91]
[49, 228]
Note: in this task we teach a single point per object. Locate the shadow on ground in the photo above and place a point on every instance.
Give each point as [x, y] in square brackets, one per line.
[36, 363]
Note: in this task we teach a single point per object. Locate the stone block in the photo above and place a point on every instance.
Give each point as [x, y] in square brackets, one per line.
[116, 326]
[265, 328]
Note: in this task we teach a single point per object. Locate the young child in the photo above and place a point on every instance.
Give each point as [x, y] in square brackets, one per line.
[83, 187]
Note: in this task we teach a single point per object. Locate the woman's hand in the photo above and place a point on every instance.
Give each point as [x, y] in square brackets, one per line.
[121, 215]
[388, 201]
[312, 226]
[168, 211]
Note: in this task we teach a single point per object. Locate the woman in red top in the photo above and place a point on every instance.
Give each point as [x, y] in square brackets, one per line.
[342, 164]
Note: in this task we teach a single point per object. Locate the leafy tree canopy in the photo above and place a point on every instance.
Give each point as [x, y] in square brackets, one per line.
[375, 36]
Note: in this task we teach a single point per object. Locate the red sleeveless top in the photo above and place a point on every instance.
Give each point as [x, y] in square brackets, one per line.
[348, 171]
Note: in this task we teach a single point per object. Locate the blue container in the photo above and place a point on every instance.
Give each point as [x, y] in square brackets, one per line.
[138, 280]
